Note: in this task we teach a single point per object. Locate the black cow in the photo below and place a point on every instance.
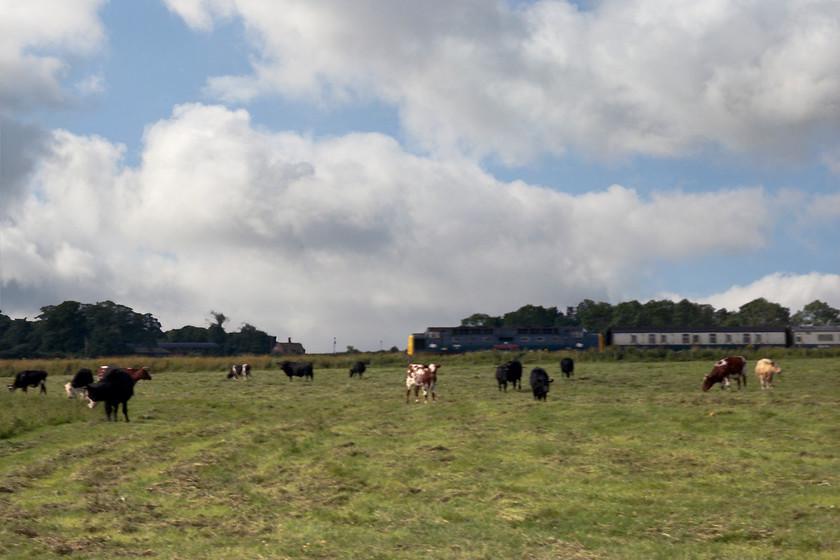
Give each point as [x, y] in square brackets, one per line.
[30, 378]
[540, 383]
[80, 381]
[358, 367]
[510, 372]
[567, 366]
[297, 369]
[116, 387]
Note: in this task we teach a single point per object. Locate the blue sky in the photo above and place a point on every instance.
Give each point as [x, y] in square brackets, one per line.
[319, 171]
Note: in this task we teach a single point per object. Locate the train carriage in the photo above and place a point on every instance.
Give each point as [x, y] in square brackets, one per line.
[694, 337]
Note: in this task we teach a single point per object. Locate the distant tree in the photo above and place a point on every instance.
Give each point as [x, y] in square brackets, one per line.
[628, 314]
[658, 313]
[531, 316]
[760, 312]
[249, 340]
[216, 331]
[188, 334]
[481, 320]
[63, 328]
[594, 317]
[111, 327]
[816, 313]
[19, 340]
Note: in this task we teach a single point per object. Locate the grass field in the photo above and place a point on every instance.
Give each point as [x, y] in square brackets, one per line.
[624, 461]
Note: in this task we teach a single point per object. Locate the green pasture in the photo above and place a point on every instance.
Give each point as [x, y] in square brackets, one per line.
[627, 460]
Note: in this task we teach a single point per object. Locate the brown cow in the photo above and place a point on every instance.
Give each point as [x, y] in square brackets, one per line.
[733, 366]
[419, 376]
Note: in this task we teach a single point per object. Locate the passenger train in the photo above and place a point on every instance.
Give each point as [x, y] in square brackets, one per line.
[472, 339]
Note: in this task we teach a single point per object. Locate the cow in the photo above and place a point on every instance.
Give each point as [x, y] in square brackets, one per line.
[239, 371]
[297, 369]
[30, 378]
[765, 369]
[78, 385]
[732, 366]
[116, 387]
[509, 372]
[567, 366]
[540, 383]
[136, 373]
[419, 376]
[358, 367]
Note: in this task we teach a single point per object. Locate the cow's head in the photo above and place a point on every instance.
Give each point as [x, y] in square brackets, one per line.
[708, 382]
[144, 374]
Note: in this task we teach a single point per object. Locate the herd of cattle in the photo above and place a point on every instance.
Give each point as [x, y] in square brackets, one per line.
[114, 386]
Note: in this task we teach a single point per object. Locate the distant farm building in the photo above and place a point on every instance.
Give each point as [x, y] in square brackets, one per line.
[288, 347]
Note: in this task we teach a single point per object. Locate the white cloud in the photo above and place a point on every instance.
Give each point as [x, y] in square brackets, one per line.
[793, 291]
[35, 36]
[350, 236]
[625, 78]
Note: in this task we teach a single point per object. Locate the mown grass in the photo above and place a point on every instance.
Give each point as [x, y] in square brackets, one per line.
[625, 460]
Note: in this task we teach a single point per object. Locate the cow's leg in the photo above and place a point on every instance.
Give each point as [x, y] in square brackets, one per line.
[44, 387]
[407, 394]
[125, 411]
[417, 393]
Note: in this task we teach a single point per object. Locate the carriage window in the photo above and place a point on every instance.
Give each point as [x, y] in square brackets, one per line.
[695, 339]
[729, 338]
[712, 338]
[746, 338]
[822, 337]
[633, 339]
[663, 339]
[651, 339]
[757, 338]
[686, 339]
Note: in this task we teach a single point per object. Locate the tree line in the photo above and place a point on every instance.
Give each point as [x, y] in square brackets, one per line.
[73, 330]
[600, 316]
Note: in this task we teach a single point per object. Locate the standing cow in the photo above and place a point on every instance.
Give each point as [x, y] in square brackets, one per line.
[510, 372]
[30, 378]
[730, 367]
[419, 376]
[78, 385]
[297, 369]
[567, 366]
[540, 383]
[765, 369]
[357, 368]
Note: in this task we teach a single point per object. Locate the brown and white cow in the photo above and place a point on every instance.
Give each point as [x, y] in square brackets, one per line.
[765, 369]
[733, 366]
[420, 376]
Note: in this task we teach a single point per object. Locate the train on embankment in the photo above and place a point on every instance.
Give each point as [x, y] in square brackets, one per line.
[474, 339]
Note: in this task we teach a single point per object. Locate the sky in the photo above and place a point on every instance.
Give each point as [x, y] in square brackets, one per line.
[348, 173]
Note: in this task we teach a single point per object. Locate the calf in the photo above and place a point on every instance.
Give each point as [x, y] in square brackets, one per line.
[29, 378]
[115, 388]
[358, 367]
[540, 383]
[297, 369]
[78, 385]
[765, 369]
[567, 366]
[733, 366]
[239, 371]
[510, 372]
[419, 376]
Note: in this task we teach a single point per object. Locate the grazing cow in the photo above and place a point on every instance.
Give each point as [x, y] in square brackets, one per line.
[115, 388]
[358, 367]
[77, 385]
[567, 366]
[540, 383]
[732, 366]
[297, 369]
[765, 369]
[420, 376]
[30, 378]
[509, 372]
[239, 371]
